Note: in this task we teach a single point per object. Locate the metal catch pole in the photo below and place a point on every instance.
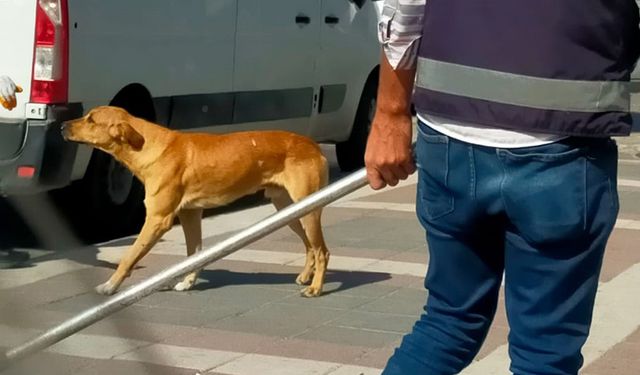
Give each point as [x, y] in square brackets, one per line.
[146, 287]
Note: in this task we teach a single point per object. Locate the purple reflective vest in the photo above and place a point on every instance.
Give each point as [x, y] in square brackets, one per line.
[553, 66]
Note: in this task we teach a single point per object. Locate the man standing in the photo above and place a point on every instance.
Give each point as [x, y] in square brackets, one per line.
[516, 103]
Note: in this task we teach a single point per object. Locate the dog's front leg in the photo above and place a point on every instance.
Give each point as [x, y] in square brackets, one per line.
[191, 221]
[155, 225]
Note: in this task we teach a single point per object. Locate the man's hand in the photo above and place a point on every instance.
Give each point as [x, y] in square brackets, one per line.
[8, 91]
[388, 157]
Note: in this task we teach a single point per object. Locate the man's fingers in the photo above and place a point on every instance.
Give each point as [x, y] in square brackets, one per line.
[389, 176]
[375, 179]
[409, 167]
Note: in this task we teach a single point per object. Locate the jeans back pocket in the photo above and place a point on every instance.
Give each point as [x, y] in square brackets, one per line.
[432, 155]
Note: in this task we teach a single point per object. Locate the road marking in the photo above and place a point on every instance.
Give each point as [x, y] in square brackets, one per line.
[628, 224]
[271, 365]
[629, 161]
[616, 316]
[199, 359]
[12, 278]
[628, 183]
[404, 207]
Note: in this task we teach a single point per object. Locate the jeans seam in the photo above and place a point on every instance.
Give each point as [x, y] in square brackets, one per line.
[585, 209]
[472, 173]
[503, 180]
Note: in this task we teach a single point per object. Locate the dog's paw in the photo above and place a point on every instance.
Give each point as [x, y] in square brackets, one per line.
[183, 285]
[303, 279]
[311, 291]
[106, 289]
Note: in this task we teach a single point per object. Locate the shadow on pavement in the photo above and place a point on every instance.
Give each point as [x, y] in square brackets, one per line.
[346, 279]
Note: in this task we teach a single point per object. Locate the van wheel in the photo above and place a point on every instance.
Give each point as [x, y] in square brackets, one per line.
[112, 198]
[350, 153]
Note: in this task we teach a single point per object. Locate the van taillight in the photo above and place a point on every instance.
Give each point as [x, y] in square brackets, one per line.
[49, 78]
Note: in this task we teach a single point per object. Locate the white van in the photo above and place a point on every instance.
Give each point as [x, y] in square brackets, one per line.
[308, 66]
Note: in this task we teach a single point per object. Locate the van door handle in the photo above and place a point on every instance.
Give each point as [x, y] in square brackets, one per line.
[303, 20]
[331, 20]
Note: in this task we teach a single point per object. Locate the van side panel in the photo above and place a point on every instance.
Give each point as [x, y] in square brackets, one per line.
[342, 74]
[171, 47]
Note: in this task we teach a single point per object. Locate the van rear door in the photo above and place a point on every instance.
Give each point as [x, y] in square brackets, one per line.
[17, 18]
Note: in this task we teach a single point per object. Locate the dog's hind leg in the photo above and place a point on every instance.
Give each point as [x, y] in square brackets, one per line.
[155, 225]
[281, 199]
[312, 227]
[300, 182]
[191, 221]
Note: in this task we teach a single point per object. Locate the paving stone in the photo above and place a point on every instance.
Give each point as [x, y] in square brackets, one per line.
[374, 321]
[380, 233]
[112, 367]
[631, 201]
[19, 316]
[315, 349]
[406, 194]
[179, 356]
[350, 336]
[282, 320]
[51, 364]
[137, 328]
[403, 302]
[171, 316]
[76, 304]
[622, 359]
[378, 357]
[218, 339]
[370, 290]
[97, 347]
[330, 300]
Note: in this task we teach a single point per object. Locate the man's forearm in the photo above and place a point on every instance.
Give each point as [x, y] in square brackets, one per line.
[388, 157]
[394, 89]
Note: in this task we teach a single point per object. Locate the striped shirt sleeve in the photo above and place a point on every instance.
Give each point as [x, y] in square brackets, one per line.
[399, 31]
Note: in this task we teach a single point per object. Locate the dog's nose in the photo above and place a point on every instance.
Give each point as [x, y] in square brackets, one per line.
[64, 128]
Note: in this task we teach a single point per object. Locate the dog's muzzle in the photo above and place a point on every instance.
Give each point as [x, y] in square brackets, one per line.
[64, 129]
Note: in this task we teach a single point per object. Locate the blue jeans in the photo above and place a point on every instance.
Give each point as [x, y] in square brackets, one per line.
[542, 215]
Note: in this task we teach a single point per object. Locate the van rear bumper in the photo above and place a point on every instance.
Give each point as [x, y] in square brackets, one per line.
[37, 144]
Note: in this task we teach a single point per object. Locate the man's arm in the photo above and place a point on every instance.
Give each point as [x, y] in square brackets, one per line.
[388, 157]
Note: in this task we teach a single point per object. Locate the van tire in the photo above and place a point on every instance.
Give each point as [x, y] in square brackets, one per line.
[350, 153]
[110, 213]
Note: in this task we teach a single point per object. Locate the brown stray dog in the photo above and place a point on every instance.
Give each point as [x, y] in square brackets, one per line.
[183, 173]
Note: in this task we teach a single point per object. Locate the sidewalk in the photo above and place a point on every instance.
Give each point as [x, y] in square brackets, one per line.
[246, 317]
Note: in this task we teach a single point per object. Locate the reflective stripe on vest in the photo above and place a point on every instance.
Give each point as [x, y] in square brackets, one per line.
[520, 90]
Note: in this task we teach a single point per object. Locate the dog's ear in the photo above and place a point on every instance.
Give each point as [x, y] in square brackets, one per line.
[125, 134]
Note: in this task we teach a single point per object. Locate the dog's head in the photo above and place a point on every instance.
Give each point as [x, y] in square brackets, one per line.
[106, 128]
